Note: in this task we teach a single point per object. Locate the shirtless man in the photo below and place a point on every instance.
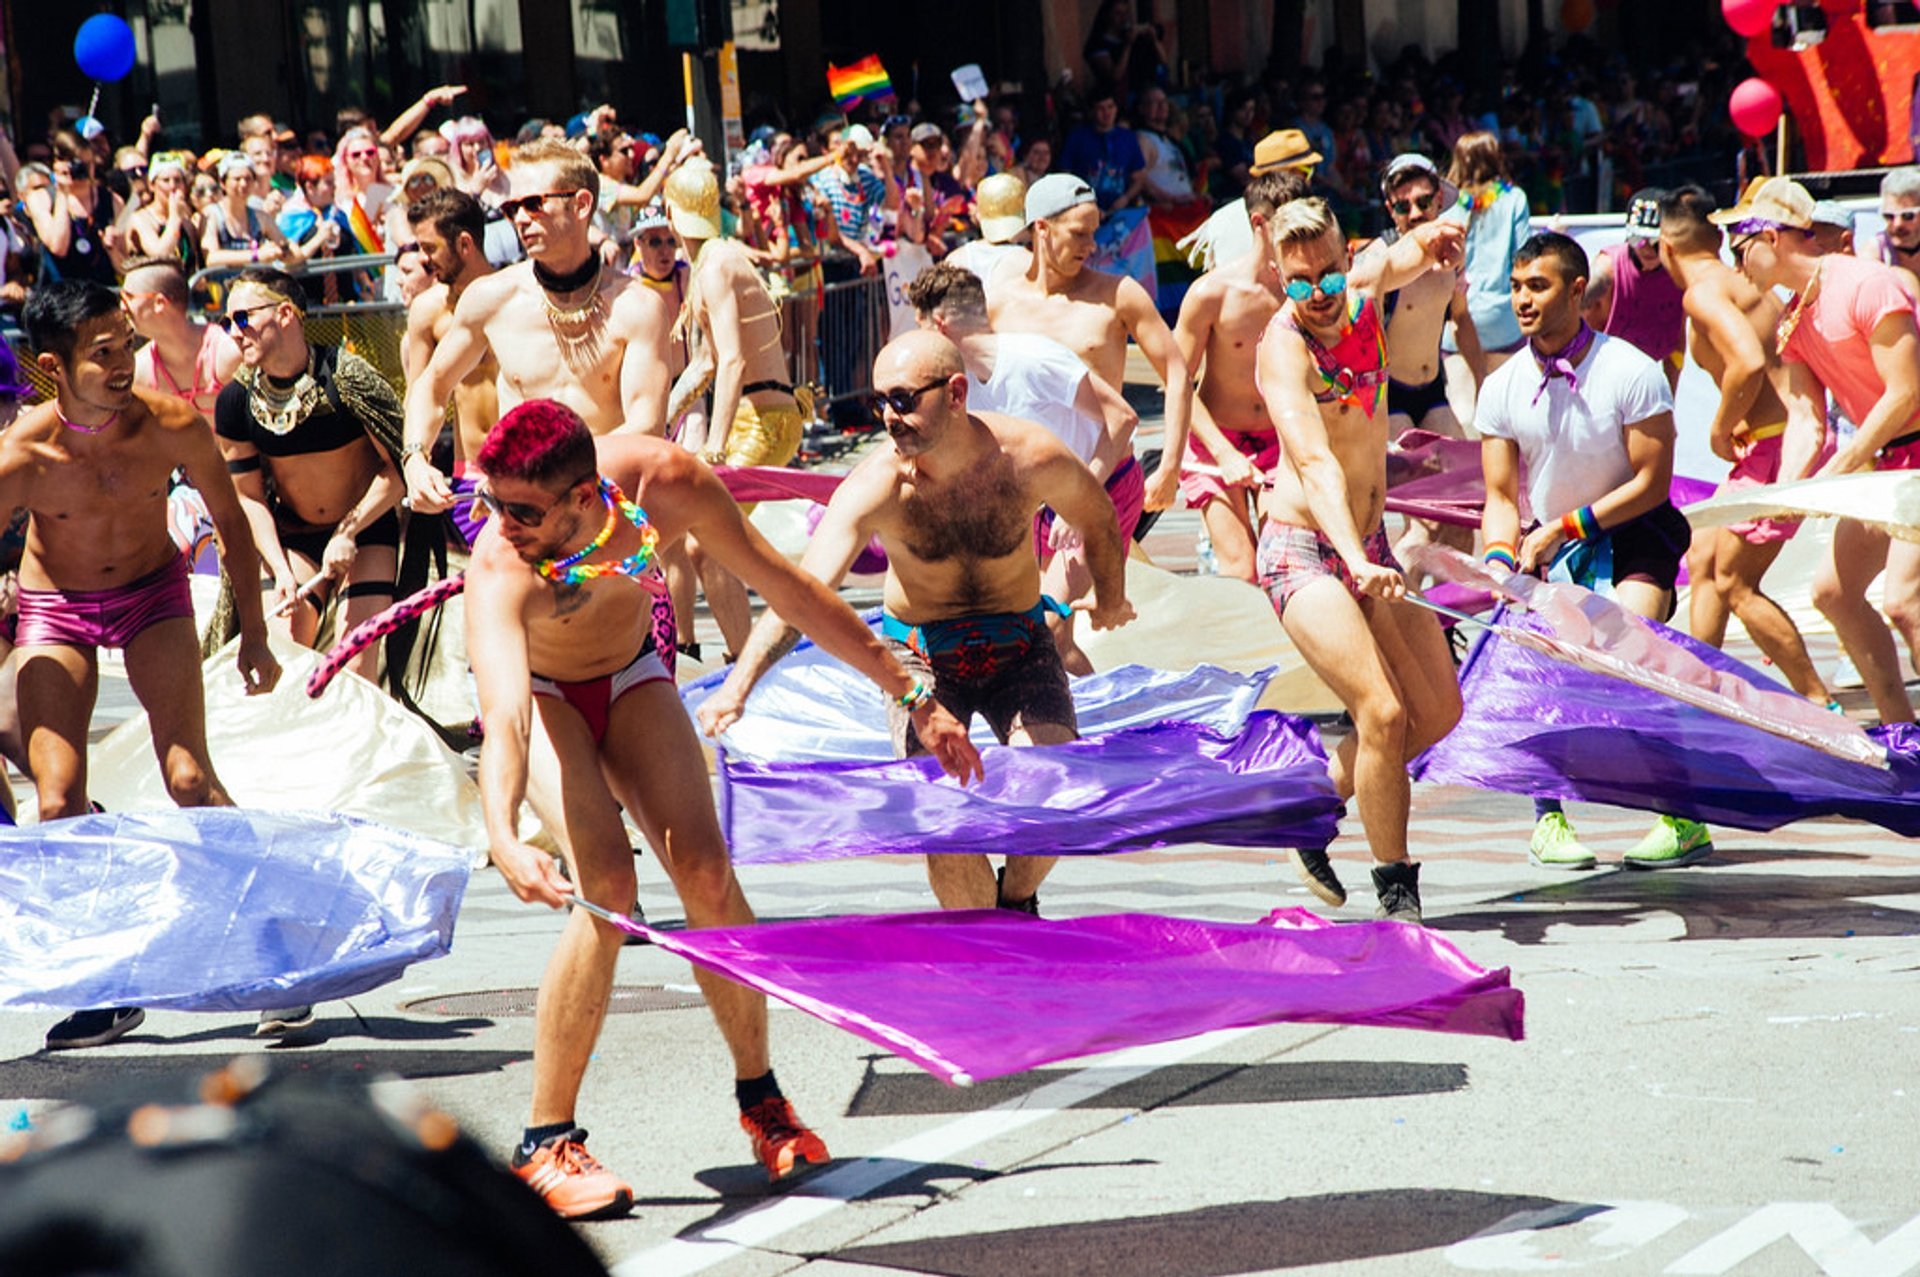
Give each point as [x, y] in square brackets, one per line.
[1730, 333]
[1091, 312]
[758, 416]
[181, 358]
[1234, 445]
[1035, 378]
[91, 468]
[953, 503]
[1324, 557]
[559, 631]
[450, 228]
[560, 325]
[1416, 314]
[319, 422]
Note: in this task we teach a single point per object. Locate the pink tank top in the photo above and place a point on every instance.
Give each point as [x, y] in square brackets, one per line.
[152, 373]
[1646, 307]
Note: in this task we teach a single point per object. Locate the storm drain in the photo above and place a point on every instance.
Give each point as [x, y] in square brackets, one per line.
[628, 999]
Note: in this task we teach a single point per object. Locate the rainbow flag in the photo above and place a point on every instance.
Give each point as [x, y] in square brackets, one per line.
[364, 231]
[864, 81]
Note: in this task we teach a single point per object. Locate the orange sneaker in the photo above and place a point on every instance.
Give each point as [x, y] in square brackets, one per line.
[569, 1179]
[781, 1141]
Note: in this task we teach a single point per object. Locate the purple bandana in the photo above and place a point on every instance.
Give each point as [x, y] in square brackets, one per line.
[1563, 364]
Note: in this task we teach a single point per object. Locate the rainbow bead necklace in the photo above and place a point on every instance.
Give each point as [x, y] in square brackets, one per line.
[571, 571]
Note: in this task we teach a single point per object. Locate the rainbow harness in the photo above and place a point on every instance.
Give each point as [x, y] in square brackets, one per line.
[1365, 337]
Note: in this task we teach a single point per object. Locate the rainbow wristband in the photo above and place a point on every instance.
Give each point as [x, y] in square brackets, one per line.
[1579, 525]
[1503, 554]
[914, 697]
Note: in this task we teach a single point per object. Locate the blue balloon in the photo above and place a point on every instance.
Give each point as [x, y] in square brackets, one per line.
[104, 47]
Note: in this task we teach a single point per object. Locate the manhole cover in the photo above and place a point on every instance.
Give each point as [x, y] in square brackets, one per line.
[628, 999]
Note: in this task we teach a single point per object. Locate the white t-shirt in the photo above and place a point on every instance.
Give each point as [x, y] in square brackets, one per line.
[1036, 379]
[1573, 440]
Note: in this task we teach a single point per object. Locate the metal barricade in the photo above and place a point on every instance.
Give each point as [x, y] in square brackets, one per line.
[853, 322]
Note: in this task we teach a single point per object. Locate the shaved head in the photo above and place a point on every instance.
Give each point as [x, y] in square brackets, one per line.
[914, 358]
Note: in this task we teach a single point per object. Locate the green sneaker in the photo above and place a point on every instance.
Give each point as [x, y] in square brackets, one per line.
[1555, 846]
[1671, 843]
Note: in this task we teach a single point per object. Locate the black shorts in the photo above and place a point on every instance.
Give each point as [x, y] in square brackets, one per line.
[1649, 548]
[311, 542]
[1417, 401]
[1004, 668]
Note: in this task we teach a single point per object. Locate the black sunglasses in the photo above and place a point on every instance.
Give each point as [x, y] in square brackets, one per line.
[527, 516]
[901, 401]
[237, 321]
[510, 209]
[657, 241]
[1419, 203]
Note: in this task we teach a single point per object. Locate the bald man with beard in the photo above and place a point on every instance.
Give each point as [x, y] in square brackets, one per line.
[953, 503]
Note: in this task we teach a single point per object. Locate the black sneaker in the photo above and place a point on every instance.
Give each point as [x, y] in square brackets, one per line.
[1399, 887]
[1317, 872]
[93, 1028]
[1030, 905]
[277, 1024]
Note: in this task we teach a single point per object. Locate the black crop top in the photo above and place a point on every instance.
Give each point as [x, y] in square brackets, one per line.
[330, 426]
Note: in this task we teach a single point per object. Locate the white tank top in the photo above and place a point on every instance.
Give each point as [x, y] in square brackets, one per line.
[1036, 379]
[1168, 171]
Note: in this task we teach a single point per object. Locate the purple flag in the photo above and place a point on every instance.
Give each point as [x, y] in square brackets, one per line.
[1178, 782]
[1536, 726]
[917, 983]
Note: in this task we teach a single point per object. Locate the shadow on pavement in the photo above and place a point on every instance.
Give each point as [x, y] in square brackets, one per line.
[1712, 906]
[927, 1180]
[81, 1075]
[904, 1094]
[1215, 1241]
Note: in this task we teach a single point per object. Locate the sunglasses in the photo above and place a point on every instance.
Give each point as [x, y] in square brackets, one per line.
[1331, 284]
[522, 513]
[1900, 214]
[1739, 246]
[237, 320]
[1418, 204]
[369, 154]
[901, 401]
[510, 209]
[656, 241]
[135, 170]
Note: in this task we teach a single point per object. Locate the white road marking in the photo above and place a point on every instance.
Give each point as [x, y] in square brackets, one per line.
[833, 1189]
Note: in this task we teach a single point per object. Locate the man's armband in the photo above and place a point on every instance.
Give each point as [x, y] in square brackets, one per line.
[244, 465]
[1579, 525]
[1501, 554]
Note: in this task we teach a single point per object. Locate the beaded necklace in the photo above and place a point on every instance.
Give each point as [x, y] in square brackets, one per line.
[571, 571]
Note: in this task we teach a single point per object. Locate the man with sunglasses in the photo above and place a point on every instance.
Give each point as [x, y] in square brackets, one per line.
[92, 467]
[1417, 313]
[576, 682]
[1851, 331]
[1767, 435]
[953, 503]
[560, 325]
[1588, 418]
[1051, 291]
[1324, 560]
[1899, 242]
[450, 229]
[309, 433]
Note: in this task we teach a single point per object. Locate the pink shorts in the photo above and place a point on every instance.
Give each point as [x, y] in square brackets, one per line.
[1756, 468]
[104, 618]
[1291, 558]
[1126, 488]
[1262, 447]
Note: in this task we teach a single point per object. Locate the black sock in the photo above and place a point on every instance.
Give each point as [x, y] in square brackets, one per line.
[753, 1090]
[534, 1136]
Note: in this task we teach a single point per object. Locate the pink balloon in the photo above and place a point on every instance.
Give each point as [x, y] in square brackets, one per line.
[1749, 17]
[1754, 107]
